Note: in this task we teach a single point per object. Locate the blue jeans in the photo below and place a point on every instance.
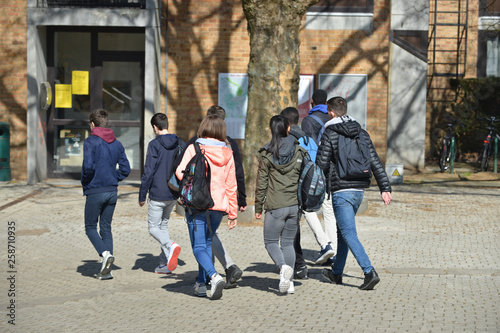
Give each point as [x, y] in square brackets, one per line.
[201, 241]
[345, 206]
[100, 207]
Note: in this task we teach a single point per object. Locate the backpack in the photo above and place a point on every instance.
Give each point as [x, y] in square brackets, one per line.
[173, 181]
[312, 185]
[354, 158]
[320, 134]
[195, 184]
[308, 144]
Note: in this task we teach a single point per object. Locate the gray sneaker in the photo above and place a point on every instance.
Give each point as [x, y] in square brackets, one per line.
[108, 276]
[200, 289]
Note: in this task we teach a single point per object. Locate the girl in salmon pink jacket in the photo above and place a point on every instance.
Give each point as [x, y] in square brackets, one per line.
[212, 140]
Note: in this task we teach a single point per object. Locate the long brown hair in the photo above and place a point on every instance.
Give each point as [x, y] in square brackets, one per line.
[214, 127]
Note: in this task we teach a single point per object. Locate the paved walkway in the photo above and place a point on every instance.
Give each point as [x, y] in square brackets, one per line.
[435, 248]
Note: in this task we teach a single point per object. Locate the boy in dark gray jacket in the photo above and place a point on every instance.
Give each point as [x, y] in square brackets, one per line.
[347, 195]
[161, 153]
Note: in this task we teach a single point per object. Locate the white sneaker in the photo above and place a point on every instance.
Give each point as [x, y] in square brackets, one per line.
[291, 289]
[162, 269]
[107, 261]
[172, 256]
[218, 285]
[285, 276]
[108, 276]
[200, 289]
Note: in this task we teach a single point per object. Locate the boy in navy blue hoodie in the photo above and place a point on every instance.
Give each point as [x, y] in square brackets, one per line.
[101, 153]
[161, 153]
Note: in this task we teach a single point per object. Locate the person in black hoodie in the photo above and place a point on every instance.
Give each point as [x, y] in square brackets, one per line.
[347, 195]
[101, 153]
[161, 153]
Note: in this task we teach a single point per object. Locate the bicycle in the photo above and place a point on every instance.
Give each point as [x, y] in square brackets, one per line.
[445, 159]
[488, 142]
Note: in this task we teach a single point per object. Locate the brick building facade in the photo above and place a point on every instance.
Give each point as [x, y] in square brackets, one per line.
[187, 45]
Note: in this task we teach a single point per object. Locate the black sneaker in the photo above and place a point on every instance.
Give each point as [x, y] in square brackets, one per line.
[301, 273]
[233, 274]
[328, 274]
[371, 279]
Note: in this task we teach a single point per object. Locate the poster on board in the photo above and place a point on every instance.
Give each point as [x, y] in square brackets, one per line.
[233, 97]
[352, 87]
[306, 89]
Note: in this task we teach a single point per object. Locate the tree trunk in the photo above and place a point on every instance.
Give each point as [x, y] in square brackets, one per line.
[273, 71]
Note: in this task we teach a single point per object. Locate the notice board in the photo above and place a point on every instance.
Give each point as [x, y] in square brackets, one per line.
[352, 87]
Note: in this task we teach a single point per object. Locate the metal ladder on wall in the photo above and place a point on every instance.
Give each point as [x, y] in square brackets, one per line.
[447, 51]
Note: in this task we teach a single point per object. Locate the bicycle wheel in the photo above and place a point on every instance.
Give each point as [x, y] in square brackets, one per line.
[486, 157]
[444, 157]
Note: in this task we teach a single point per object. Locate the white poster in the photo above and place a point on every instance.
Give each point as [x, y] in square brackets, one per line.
[233, 97]
[306, 87]
[352, 87]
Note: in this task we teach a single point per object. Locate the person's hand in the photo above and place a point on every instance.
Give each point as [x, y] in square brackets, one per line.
[242, 208]
[387, 197]
[258, 216]
[232, 223]
[141, 203]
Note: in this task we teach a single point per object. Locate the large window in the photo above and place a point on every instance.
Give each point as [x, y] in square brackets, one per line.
[340, 15]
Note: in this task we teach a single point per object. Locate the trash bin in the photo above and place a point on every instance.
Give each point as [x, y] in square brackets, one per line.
[4, 151]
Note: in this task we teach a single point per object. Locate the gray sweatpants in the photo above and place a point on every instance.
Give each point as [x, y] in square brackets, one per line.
[281, 224]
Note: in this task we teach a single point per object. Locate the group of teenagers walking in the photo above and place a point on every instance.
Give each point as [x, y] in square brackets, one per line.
[280, 163]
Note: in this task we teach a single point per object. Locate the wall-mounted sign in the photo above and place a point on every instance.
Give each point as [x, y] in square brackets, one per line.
[63, 96]
[352, 87]
[80, 82]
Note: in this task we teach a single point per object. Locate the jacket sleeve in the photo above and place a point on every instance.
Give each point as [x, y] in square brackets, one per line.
[123, 165]
[325, 153]
[261, 185]
[240, 174]
[231, 188]
[88, 166]
[149, 170]
[377, 168]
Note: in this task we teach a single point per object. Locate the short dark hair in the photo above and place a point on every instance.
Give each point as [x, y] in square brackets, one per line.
[291, 114]
[160, 120]
[319, 97]
[99, 117]
[218, 111]
[338, 105]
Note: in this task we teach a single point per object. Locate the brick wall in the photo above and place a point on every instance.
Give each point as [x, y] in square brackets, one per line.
[206, 44]
[13, 88]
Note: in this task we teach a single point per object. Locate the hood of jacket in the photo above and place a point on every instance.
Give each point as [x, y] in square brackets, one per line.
[320, 107]
[216, 151]
[287, 150]
[168, 141]
[104, 133]
[297, 131]
[345, 125]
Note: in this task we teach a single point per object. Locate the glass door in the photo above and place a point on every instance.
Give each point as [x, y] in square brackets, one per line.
[114, 61]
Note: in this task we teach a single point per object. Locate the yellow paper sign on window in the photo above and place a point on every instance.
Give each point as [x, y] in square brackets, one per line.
[80, 82]
[63, 96]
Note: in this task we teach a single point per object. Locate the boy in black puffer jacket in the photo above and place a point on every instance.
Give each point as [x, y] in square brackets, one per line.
[347, 195]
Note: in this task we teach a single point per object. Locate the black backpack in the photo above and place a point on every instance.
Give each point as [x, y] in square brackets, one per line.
[194, 188]
[354, 158]
[312, 185]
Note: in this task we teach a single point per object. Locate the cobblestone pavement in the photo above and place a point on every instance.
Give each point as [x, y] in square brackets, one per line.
[435, 248]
